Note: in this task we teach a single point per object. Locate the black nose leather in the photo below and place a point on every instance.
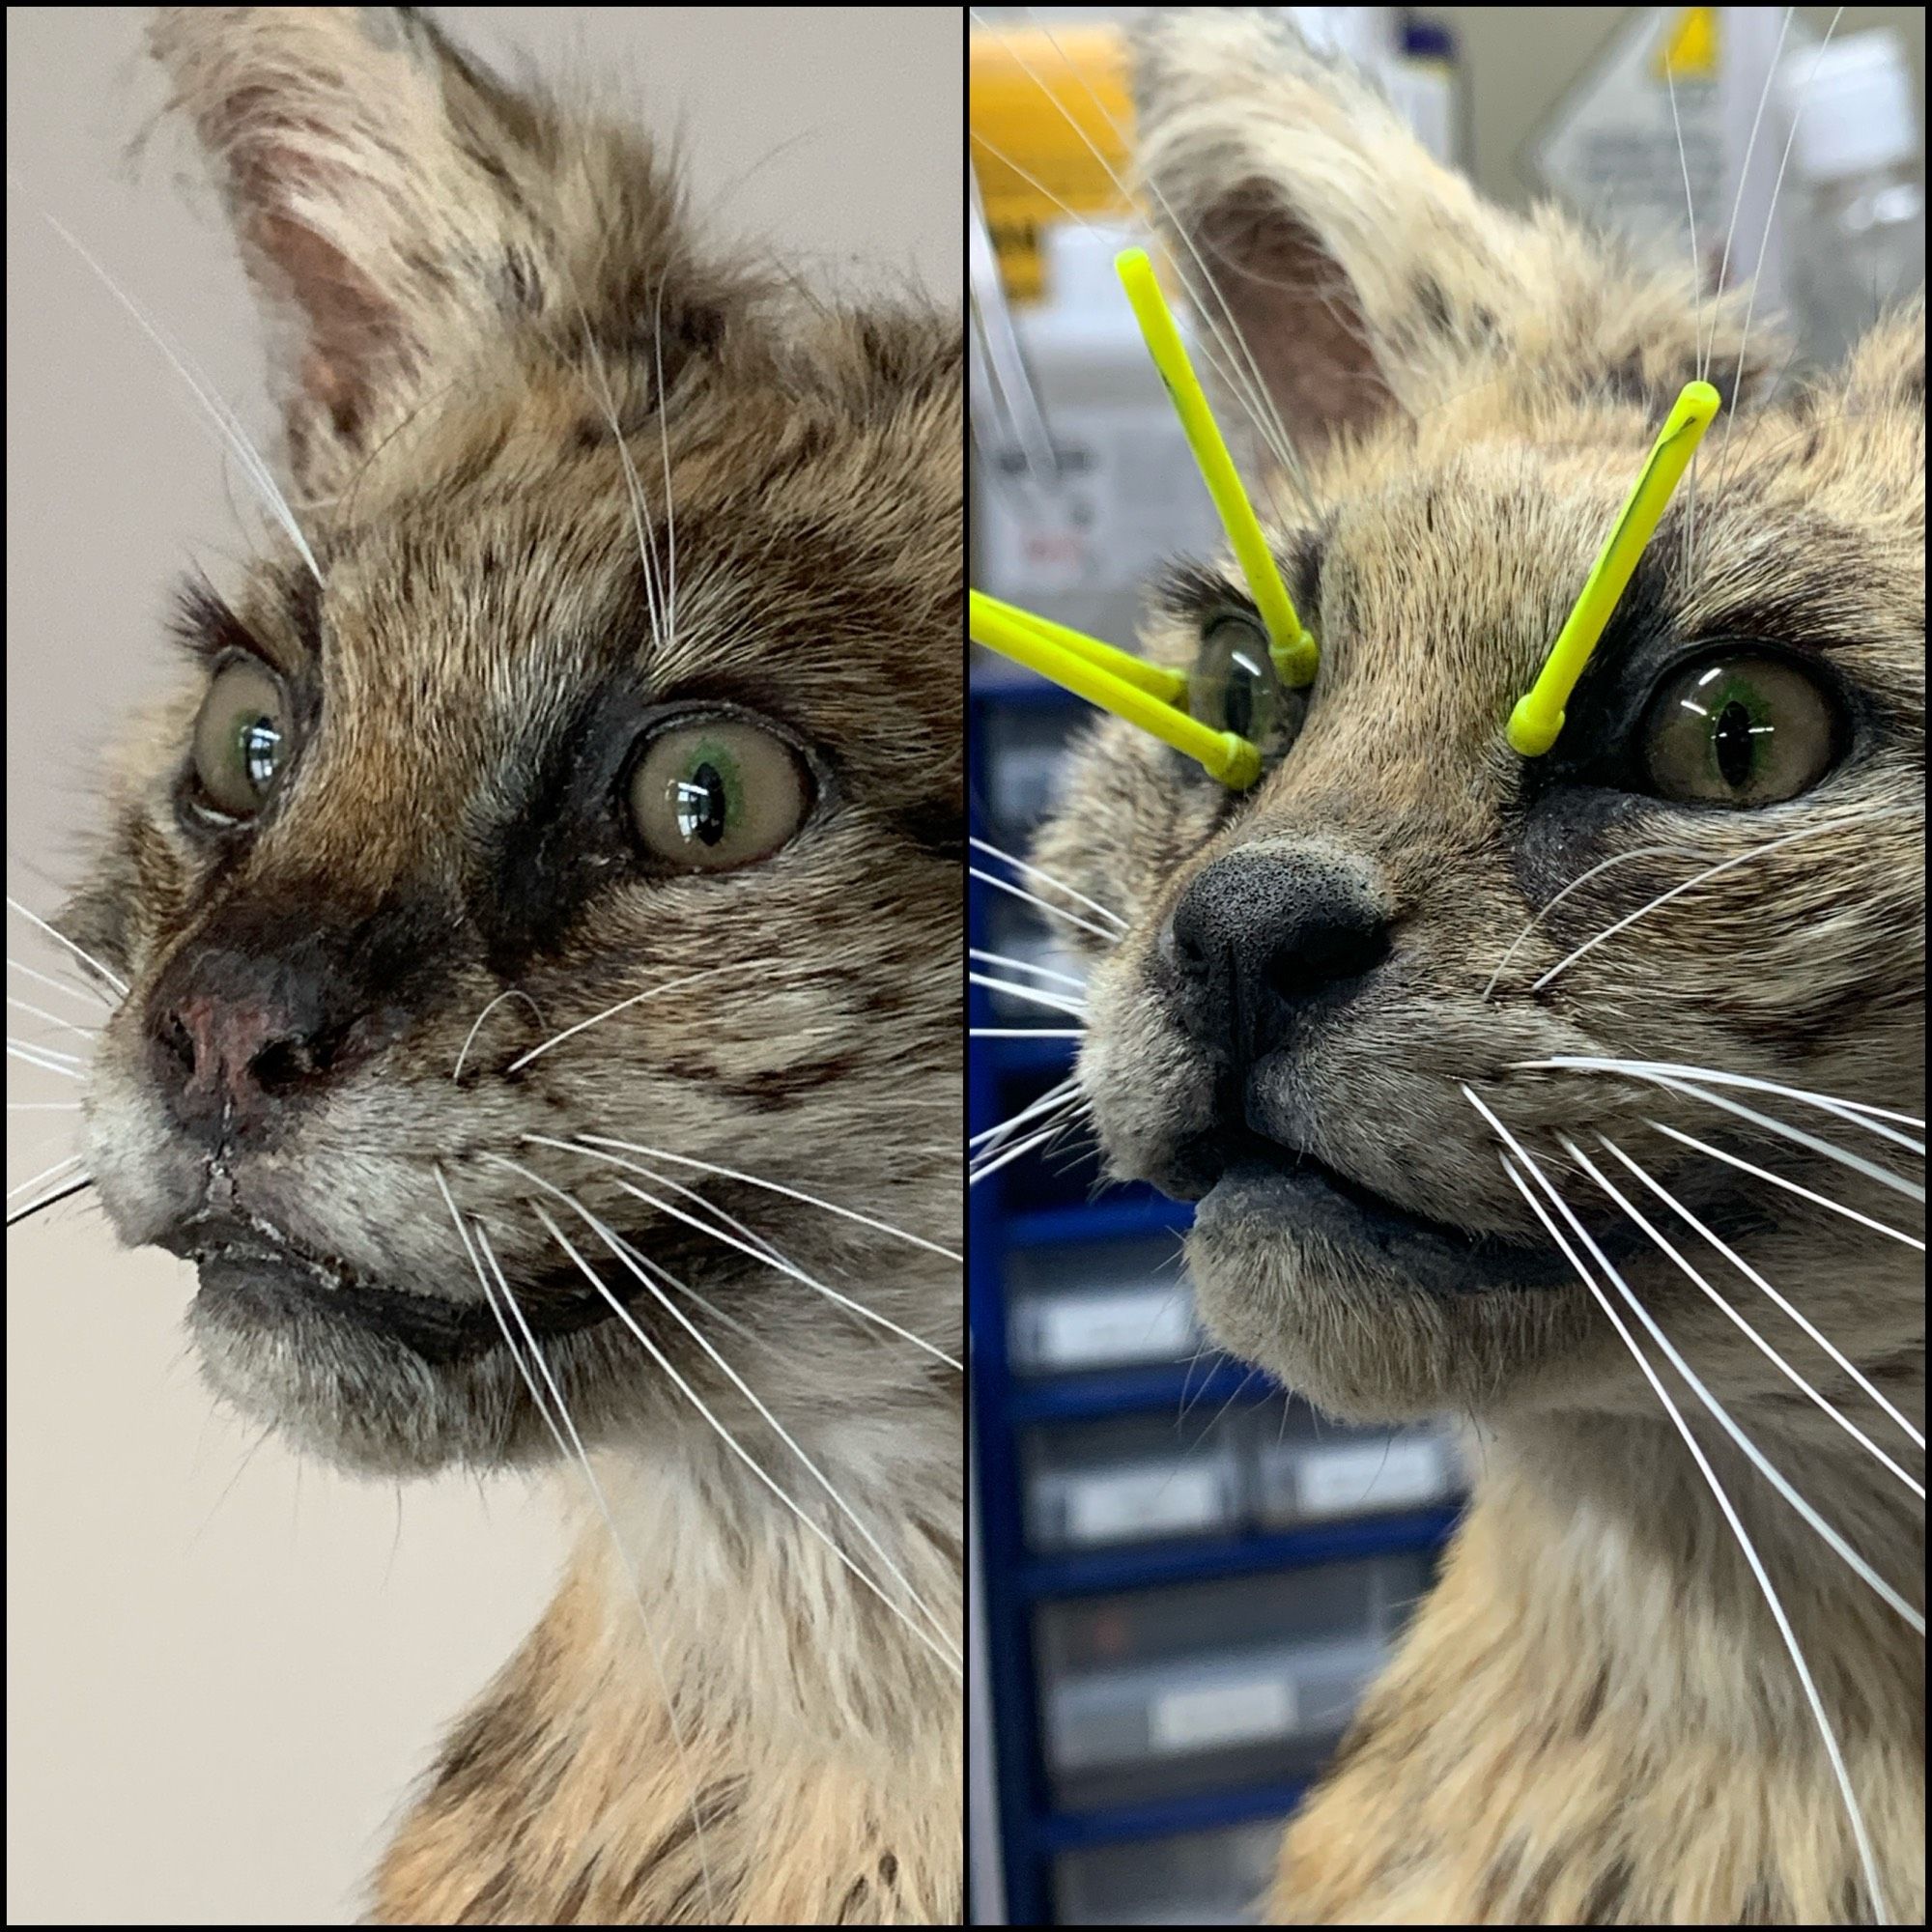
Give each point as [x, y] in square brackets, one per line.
[1261, 940]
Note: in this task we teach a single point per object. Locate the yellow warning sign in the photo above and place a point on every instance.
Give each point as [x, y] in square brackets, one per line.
[1040, 105]
[1688, 47]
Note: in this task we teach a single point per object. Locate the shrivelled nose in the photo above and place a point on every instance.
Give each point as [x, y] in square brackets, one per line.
[268, 1008]
[1258, 940]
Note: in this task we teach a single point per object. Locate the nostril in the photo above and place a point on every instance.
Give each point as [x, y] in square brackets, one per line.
[1329, 959]
[177, 1042]
[287, 1062]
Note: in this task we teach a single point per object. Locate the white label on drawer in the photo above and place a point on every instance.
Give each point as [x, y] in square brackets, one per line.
[1241, 1711]
[1131, 1502]
[1130, 1326]
[1377, 1475]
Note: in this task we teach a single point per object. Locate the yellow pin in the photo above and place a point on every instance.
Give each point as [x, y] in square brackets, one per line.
[1144, 695]
[1293, 647]
[1537, 721]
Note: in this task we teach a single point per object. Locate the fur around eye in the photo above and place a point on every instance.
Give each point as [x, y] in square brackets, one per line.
[717, 794]
[1740, 731]
[243, 737]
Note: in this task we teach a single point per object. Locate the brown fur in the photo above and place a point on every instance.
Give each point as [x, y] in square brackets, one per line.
[1592, 1718]
[509, 362]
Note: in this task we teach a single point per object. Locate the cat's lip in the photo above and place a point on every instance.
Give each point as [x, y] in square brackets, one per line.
[1305, 1199]
[254, 1271]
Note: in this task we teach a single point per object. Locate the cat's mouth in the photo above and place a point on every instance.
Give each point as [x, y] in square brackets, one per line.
[255, 1272]
[1254, 1183]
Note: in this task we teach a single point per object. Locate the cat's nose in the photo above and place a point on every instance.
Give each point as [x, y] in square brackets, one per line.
[226, 1062]
[1262, 940]
[265, 1009]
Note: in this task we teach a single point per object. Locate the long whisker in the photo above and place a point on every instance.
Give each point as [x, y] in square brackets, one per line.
[1027, 1033]
[52, 1019]
[1760, 1575]
[697, 1400]
[1013, 1153]
[476, 1025]
[1844, 1552]
[16, 1215]
[1697, 878]
[596, 1019]
[1855, 1111]
[1830, 1149]
[771, 1260]
[1054, 1097]
[1033, 900]
[1058, 1002]
[80, 992]
[1789, 1186]
[1749, 1333]
[1016, 965]
[43, 1058]
[1696, 291]
[219, 414]
[114, 980]
[1046, 878]
[575, 1442]
[45, 1174]
[776, 1187]
[1750, 1275]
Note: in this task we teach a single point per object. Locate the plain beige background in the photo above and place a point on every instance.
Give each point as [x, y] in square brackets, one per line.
[224, 1667]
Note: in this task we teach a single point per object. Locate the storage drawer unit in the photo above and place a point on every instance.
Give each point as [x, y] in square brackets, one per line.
[1192, 1878]
[1307, 1469]
[1099, 1306]
[1134, 1479]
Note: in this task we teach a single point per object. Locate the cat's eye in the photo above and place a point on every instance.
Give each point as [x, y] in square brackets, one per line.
[1235, 686]
[1742, 731]
[718, 793]
[242, 738]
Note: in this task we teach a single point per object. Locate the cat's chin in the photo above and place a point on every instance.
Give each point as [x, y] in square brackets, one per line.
[1371, 1312]
[375, 1378]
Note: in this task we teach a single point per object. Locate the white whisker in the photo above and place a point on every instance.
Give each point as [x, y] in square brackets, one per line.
[1014, 965]
[114, 980]
[1046, 878]
[1789, 1186]
[1055, 1097]
[1058, 1002]
[1842, 1550]
[52, 1019]
[476, 1025]
[697, 1402]
[80, 992]
[20, 1188]
[1013, 1153]
[1027, 1033]
[1033, 900]
[596, 1019]
[1760, 1575]
[44, 1106]
[1563, 965]
[730, 1241]
[1750, 1275]
[46, 1062]
[1855, 1111]
[1830, 1149]
[74, 1185]
[1749, 1333]
[776, 1187]
[597, 1492]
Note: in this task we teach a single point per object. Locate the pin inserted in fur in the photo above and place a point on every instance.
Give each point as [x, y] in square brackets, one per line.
[1537, 721]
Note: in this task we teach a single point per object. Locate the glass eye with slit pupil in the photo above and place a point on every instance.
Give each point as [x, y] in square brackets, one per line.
[243, 739]
[1235, 686]
[1747, 730]
[716, 793]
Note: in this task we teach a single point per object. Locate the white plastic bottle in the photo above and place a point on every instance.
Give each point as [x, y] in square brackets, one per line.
[1856, 158]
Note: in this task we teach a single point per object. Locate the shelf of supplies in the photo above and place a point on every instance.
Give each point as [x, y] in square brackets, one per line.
[1099, 1221]
[1203, 1386]
[1023, 693]
[1131, 1569]
[1202, 1811]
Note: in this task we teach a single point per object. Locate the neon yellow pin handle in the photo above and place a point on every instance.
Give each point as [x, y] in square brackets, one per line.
[1156, 680]
[1292, 646]
[1537, 721]
[1082, 666]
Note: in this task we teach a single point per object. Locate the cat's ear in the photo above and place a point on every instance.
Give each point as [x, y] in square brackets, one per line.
[1363, 275]
[399, 209]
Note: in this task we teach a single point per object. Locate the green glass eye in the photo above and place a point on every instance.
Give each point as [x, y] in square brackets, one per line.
[1742, 731]
[242, 738]
[710, 796]
[1234, 687]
